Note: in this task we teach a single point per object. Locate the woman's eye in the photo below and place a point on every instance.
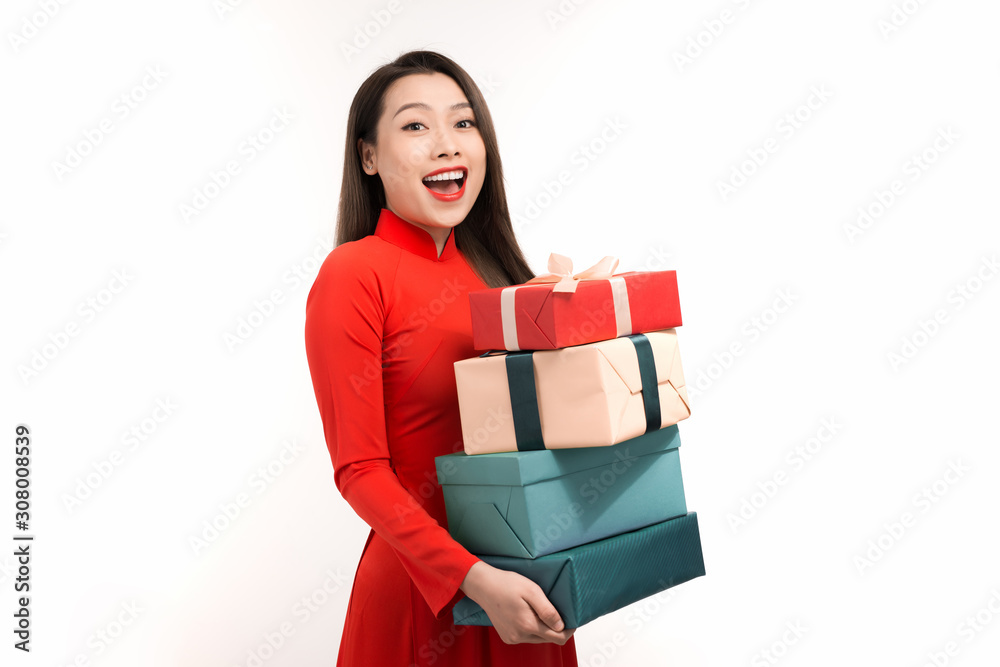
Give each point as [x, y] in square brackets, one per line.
[417, 125]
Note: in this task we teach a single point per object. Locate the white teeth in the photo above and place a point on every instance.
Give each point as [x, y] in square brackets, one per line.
[446, 176]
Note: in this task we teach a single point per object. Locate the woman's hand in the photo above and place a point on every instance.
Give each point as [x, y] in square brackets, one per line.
[518, 608]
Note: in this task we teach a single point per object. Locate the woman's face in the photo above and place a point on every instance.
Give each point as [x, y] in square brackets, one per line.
[427, 128]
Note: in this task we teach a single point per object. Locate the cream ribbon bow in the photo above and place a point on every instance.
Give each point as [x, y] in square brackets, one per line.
[561, 272]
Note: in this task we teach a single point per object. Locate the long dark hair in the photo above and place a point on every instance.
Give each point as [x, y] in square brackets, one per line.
[486, 236]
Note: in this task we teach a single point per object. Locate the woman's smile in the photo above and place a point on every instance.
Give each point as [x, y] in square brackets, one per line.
[447, 183]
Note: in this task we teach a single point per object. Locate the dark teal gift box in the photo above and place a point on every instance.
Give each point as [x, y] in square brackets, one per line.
[588, 581]
[532, 503]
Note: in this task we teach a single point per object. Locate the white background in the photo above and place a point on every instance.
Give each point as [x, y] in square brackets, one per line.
[674, 131]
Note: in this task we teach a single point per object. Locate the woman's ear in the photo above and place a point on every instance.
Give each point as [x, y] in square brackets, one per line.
[367, 153]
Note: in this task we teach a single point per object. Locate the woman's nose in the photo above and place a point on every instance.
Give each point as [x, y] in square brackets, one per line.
[445, 143]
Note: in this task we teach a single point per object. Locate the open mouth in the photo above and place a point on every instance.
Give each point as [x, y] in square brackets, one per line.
[447, 184]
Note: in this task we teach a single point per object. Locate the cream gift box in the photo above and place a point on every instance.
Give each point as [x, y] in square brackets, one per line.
[590, 395]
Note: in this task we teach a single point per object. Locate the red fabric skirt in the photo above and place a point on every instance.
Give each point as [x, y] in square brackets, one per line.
[389, 624]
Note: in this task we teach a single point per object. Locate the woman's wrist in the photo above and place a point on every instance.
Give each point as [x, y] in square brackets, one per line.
[473, 582]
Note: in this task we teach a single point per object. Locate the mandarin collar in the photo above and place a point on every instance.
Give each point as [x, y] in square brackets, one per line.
[406, 235]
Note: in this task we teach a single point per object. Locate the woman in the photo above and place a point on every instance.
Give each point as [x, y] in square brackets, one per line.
[422, 221]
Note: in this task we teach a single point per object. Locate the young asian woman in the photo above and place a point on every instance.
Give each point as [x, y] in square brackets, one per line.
[422, 221]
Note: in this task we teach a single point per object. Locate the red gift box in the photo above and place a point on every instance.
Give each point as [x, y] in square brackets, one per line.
[561, 309]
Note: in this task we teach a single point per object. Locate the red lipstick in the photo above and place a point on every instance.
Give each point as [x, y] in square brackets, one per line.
[440, 196]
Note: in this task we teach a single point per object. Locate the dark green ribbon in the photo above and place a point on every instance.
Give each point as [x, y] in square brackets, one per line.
[647, 374]
[524, 399]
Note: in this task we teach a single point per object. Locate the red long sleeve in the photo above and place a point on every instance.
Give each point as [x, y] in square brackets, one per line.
[359, 327]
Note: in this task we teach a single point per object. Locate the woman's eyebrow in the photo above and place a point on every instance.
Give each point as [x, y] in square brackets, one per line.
[426, 107]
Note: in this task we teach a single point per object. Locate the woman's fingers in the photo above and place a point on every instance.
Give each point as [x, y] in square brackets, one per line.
[548, 625]
[547, 613]
[519, 610]
[533, 631]
[548, 635]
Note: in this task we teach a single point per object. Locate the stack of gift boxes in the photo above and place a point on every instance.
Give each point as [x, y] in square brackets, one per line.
[570, 474]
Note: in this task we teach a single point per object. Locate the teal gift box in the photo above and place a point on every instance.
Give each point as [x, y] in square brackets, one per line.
[528, 504]
[588, 581]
